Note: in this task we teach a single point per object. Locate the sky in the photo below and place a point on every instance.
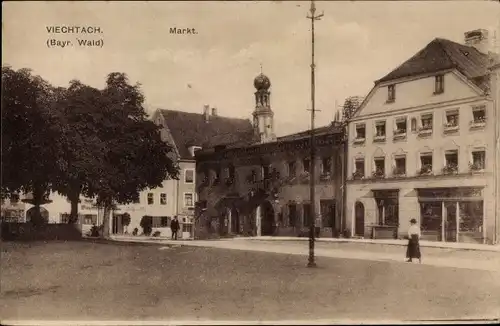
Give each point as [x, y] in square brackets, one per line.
[356, 44]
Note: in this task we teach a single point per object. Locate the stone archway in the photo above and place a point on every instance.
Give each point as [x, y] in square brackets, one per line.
[31, 213]
[267, 218]
[359, 218]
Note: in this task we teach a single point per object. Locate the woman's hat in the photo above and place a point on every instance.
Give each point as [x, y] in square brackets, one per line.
[413, 221]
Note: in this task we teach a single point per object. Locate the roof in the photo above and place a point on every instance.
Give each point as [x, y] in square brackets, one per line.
[191, 129]
[331, 128]
[442, 54]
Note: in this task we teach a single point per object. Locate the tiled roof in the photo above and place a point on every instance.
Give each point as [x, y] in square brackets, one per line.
[191, 129]
[442, 54]
[332, 128]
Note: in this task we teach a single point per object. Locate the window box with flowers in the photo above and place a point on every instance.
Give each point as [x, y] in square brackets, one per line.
[358, 175]
[450, 168]
[378, 174]
[360, 132]
[229, 181]
[359, 140]
[425, 170]
[451, 121]
[399, 134]
[451, 126]
[398, 172]
[476, 167]
[425, 130]
[478, 122]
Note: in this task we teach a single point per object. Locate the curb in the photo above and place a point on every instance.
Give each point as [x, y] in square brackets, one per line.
[126, 242]
[487, 248]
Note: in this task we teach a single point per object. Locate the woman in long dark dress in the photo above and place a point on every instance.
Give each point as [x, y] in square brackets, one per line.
[413, 249]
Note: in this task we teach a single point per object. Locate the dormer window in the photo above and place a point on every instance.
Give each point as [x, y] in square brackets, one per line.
[193, 149]
[391, 93]
[439, 84]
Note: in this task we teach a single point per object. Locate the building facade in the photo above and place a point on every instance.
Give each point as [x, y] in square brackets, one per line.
[263, 188]
[422, 145]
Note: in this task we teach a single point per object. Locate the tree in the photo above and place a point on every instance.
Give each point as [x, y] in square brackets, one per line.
[81, 149]
[30, 136]
[351, 105]
[135, 156]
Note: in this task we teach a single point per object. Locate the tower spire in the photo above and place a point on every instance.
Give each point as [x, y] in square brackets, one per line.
[261, 68]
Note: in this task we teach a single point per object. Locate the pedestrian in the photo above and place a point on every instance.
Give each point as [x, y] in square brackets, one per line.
[174, 226]
[413, 250]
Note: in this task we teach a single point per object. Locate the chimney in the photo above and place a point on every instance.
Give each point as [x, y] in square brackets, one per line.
[214, 112]
[206, 112]
[479, 39]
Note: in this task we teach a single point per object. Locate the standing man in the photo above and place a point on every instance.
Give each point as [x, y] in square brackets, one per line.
[174, 226]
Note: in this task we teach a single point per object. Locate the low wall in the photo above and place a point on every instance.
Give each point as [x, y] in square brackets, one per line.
[45, 232]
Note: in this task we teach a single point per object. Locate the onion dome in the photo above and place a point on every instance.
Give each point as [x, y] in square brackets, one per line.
[262, 82]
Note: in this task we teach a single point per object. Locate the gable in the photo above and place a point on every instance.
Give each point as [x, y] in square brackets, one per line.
[418, 92]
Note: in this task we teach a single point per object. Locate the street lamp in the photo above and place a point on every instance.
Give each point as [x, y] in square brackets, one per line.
[313, 18]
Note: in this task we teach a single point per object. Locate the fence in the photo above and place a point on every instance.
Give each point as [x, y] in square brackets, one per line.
[44, 232]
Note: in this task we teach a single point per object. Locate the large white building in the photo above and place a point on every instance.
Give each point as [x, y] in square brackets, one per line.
[422, 145]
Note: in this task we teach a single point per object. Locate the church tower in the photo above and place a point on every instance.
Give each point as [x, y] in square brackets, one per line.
[263, 115]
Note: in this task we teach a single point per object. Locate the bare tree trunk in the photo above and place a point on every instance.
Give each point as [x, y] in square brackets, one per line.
[73, 217]
[38, 194]
[105, 221]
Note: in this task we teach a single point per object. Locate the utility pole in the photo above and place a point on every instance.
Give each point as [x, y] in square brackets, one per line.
[312, 222]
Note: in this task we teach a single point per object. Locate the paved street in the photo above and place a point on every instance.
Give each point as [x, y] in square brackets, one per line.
[86, 281]
[469, 259]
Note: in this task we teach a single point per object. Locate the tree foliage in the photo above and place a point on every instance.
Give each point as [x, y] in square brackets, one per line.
[30, 134]
[136, 158]
[80, 141]
[351, 105]
[81, 149]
